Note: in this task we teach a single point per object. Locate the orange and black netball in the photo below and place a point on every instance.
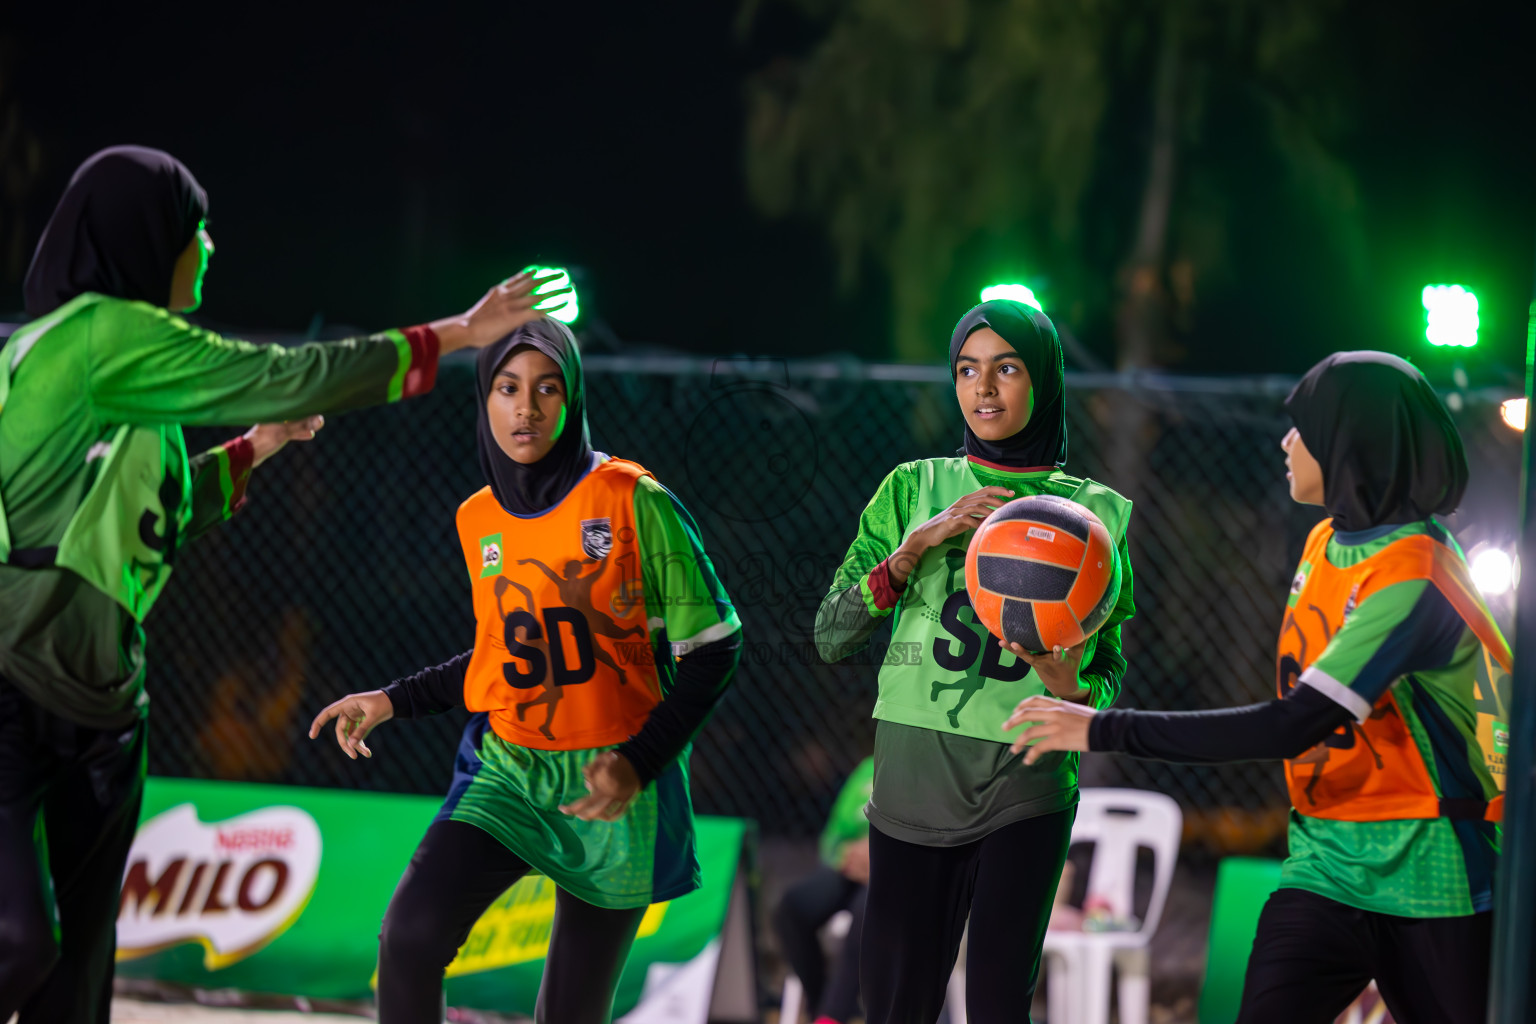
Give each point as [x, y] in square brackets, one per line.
[1042, 572]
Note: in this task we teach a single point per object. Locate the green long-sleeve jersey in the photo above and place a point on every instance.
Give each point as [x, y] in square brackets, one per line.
[943, 772]
[97, 491]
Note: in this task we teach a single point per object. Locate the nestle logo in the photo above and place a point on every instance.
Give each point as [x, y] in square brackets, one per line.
[232, 886]
[239, 840]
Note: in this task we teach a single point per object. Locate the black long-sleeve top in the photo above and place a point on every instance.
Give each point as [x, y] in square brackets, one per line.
[1272, 730]
[701, 678]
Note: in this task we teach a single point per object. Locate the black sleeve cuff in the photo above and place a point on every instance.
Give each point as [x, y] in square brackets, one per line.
[430, 691]
[1270, 731]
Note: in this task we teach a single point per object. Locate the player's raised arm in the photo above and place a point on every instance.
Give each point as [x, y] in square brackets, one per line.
[144, 364]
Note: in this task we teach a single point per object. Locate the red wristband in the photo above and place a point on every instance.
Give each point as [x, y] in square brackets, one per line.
[422, 374]
[882, 588]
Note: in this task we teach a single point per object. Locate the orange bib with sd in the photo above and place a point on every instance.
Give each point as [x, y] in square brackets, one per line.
[1374, 771]
[563, 657]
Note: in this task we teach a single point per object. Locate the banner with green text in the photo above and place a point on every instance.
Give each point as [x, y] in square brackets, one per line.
[282, 889]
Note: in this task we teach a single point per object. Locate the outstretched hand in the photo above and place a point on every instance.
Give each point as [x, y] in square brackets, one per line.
[1058, 725]
[267, 439]
[500, 311]
[611, 785]
[356, 714]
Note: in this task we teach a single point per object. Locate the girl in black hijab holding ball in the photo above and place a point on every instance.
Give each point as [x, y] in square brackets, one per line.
[960, 825]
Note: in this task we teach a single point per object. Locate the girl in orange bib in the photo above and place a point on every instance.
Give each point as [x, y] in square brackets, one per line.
[602, 641]
[1386, 676]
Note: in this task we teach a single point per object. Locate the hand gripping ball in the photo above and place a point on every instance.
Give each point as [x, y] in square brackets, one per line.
[1042, 571]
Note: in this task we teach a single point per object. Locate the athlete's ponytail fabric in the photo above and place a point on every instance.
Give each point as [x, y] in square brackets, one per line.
[1388, 449]
[125, 217]
[527, 490]
[1042, 442]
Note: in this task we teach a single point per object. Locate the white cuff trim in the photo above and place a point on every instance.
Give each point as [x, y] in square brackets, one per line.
[708, 635]
[1337, 692]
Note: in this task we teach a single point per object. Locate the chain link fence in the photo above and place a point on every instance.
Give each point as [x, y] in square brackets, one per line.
[344, 571]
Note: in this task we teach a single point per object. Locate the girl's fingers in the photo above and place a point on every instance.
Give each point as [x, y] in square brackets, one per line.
[1019, 717]
[1029, 656]
[587, 808]
[1024, 717]
[1032, 709]
[1037, 738]
[351, 732]
[1035, 660]
[304, 429]
[342, 737]
[534, 298]
[320, 720]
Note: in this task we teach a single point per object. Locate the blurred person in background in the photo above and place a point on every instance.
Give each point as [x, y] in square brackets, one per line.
[98, 494]
[841, 883]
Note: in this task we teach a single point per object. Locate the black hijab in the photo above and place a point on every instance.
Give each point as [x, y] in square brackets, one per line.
[1388, 449]
[526, 490]
[1043, 440]
[118, 229]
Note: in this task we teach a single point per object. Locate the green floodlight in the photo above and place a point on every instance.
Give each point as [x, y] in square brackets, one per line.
[1450, 315]
[564, 308]
[1017, 292]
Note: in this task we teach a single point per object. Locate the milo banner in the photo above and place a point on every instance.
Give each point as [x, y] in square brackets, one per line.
[282, 889]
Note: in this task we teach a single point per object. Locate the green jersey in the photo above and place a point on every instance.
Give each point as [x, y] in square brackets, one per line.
[1407, 640]
[97, 490]
[515, 792]
[943, 771]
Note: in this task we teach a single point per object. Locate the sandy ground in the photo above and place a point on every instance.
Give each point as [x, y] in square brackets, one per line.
[1178, 958]
[132, 1011]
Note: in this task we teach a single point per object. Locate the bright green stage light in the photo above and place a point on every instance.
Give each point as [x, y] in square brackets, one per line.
[1450, 315]
[1017, 292]
[563, 307]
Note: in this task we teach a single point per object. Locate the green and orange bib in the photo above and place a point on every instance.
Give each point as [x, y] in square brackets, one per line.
[562, 658]
[1378, 771]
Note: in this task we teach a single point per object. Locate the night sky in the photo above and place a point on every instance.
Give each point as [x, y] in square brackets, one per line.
[383, 168]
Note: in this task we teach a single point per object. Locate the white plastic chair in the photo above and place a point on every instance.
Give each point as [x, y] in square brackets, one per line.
[1081, 965]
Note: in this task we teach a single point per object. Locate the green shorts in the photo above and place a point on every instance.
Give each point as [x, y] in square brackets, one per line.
[515, 793]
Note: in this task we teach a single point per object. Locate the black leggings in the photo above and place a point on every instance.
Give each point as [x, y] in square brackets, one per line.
[919, 898]
[85, 785]
[802, 912]
[1312, 956]
[458, 871]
